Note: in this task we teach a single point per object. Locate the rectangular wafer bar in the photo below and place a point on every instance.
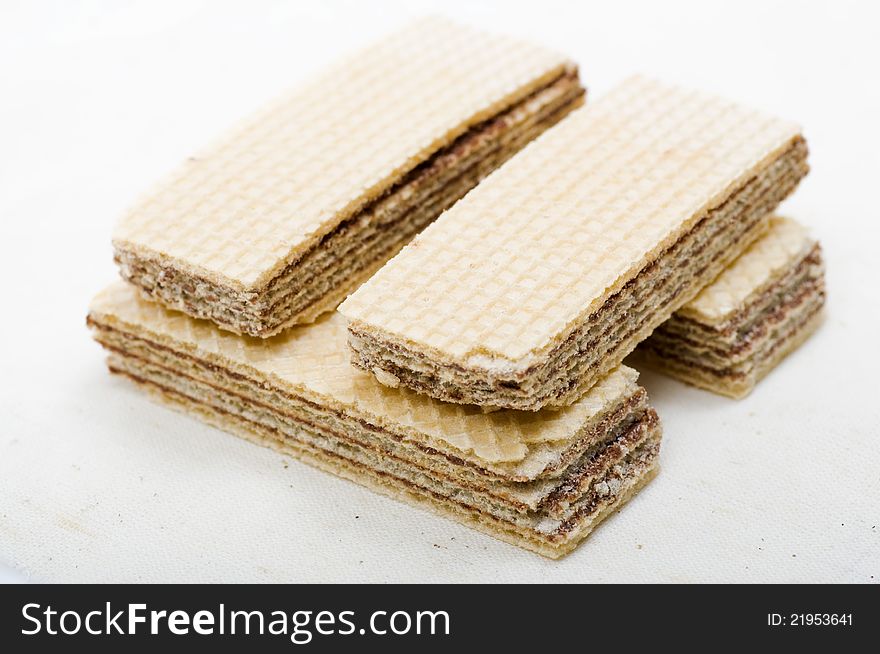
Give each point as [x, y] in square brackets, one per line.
[547, 275]
[542, 480]
[278, 221]
[742, 325]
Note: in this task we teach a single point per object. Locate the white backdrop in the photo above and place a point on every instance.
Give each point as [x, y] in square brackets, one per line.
[98, 100]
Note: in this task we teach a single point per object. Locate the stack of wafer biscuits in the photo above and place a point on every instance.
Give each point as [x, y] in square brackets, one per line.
[539, 282]
[744, 323]
[541, 481]
[275, 223]
[486, 382]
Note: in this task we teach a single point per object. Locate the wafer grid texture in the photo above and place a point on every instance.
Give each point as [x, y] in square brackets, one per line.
[563, 224]
[237, 212]
[541, 481]
[524, 261]
[318, 280]
[313, 362]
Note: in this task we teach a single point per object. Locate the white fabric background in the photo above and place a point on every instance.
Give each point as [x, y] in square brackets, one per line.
[98, 484]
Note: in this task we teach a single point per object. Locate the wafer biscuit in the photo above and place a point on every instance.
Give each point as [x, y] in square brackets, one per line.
[541, 480]
[739, 327]
[546, 276]
[275, 223]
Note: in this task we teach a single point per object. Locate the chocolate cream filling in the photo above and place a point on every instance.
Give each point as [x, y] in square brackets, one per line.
[781, 327]
[742, 327]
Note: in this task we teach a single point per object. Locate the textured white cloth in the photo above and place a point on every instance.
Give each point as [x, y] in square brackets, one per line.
[99, 484]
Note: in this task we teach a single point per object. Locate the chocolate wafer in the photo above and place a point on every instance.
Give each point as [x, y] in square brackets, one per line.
[540, 480]
[741, 326]
[530, 289]
[279, 220]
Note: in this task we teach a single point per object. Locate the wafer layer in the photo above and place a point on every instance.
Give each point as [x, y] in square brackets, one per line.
[541, 480]
[744, 323]
[279, 220]
[541, 280]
